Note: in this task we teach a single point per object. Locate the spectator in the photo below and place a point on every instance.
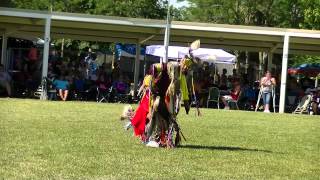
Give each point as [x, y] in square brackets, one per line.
[103, 83]
[234, 78]
[266, 84]
[315, 104]
[32, 59]
[121, 86]
[5, 80]
[62, 86]
[223, 80]
[234, 95]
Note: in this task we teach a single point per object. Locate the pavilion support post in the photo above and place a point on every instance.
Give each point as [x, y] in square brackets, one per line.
[46, 49]
[4, 50]
[270, 58]
[284, 73]
[136, 68]
[247, 62]
[260, 65]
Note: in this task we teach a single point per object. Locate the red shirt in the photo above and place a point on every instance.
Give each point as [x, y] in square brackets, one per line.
[33, 54]
[234, 95]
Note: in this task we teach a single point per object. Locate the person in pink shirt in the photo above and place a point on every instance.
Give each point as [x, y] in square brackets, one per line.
[266, 83]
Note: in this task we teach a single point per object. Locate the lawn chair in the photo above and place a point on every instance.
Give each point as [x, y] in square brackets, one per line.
[303, 105]
[103, 94]
[214, 96]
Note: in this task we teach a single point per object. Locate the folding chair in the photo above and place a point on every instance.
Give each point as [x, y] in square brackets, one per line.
[103, 94]
[214, 96]
[303, 105]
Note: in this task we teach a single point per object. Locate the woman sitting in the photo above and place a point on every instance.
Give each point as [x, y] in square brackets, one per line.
[62, 86]
[234, 95]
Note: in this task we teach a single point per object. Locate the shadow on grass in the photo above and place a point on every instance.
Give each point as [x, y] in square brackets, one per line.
[222, 148]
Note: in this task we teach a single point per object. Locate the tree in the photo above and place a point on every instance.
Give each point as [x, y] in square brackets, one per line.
[155, 9]
[273, 13]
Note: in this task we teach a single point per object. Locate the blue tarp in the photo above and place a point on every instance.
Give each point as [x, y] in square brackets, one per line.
[127, 50]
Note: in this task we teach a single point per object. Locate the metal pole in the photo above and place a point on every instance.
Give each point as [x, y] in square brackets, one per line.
[270, 57]
[136, 68]
[167, 34]
[46, 49]
[247, 62]
[284, 73]
[4, 50]
[62, 47]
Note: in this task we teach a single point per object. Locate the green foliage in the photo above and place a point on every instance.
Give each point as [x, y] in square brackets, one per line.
[274, 13]
[311, 15]
[127, 8]
[32, 4]
[303, 59]
[81, 140]
[281, 13]
[131, 8]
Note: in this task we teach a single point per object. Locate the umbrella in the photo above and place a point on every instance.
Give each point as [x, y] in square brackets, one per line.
[309, 70]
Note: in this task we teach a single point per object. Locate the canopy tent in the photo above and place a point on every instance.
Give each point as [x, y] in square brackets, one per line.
[205, 54]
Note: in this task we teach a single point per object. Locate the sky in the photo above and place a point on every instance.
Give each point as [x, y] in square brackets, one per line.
[180, 4]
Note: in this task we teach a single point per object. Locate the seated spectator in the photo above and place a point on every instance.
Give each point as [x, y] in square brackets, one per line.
[5, 80]
[315, 104]
[120, 86]
[234, 95]
[62, 86]
[102, 82]
[52, 92]
[79, 83]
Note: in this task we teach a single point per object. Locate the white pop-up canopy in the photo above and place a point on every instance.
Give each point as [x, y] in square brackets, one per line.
[205, 54]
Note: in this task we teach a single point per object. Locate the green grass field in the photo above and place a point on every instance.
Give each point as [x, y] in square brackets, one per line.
[78, 140]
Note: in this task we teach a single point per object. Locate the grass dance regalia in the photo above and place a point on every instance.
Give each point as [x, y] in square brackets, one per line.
[155, 120]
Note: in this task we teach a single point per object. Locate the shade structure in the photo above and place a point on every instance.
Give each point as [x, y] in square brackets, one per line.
[174, 52]
[205, 54]
[309, 70]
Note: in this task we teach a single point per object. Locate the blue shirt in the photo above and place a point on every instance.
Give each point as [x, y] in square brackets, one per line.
[61, 84]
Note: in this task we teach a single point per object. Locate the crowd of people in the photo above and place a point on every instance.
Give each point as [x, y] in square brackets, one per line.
[82, 78]
[71, 77]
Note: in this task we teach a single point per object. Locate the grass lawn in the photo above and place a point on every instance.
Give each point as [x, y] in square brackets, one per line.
[78, 140]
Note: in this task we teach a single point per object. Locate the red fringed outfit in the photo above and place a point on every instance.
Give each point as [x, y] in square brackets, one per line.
[139, 120]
